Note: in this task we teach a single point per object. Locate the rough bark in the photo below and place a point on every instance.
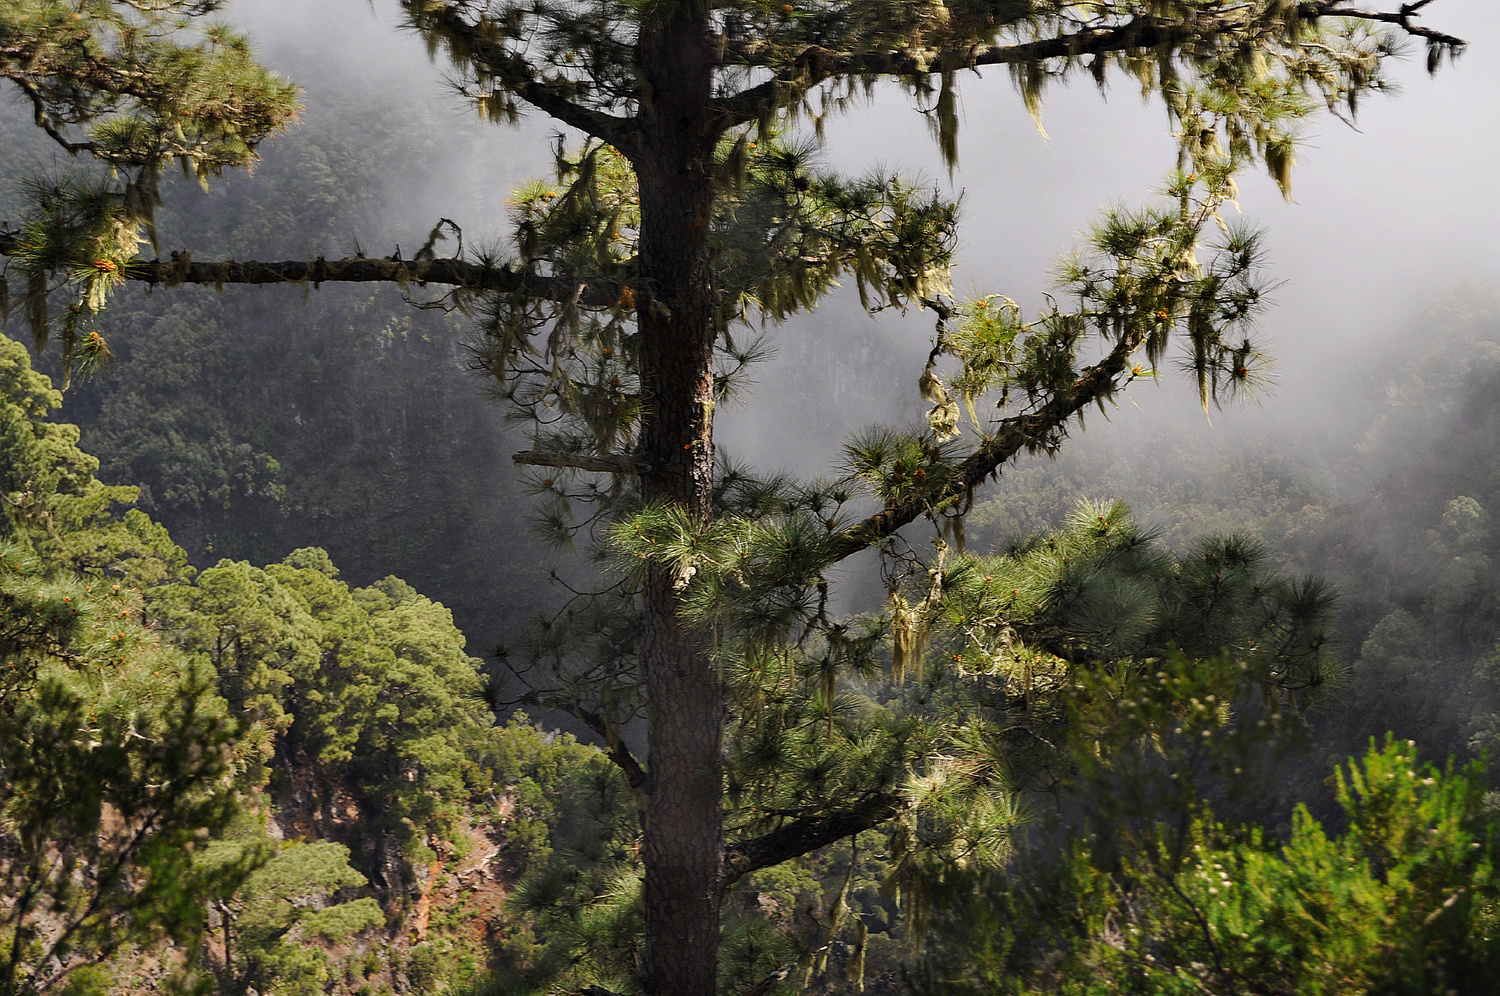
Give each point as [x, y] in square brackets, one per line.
[684, 839]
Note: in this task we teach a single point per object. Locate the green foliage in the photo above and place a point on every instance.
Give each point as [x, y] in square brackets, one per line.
[1140, 285]
[135, 87]
[1402, 902]
[148, 420]
[116, 757]
[782, 238]
[349, 426]
[370, 685]
[982, 676]
[783, 233]
[258, 421]
[54, 505]
[170, 81]
[275, 926]
[571, 834]
[369, 689]
[1390, 509]
[365, 691]
[1102, 590]
[435, 967]
[106, 795]
[821, 922]
[981, 671]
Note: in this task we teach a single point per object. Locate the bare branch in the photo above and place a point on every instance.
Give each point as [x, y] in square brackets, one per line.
[1403, 19]
[635, 775]
[181, 268]
[770, 982]
[578, 461]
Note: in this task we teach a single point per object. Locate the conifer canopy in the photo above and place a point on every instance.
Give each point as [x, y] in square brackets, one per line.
[690, 215]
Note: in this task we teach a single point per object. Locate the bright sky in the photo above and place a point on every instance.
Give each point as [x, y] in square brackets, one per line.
[1386, 217]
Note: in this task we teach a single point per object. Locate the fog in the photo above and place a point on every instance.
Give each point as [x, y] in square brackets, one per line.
[271, 418]
[1386, 216]
[350, 52]
[403, 462]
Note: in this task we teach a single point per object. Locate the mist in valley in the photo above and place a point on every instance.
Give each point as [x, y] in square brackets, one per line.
[258, 421]
[1391, 222]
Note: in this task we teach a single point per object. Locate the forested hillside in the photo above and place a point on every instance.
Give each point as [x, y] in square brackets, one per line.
[307, 773]
[1395, 517]
[258, 423]
[376, 812]
[1023, 691]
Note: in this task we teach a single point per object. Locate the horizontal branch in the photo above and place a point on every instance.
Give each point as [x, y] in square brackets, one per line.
[815, 64]
[578, 461]
[1402, 18]
[1015, 434]
[181, 268]
[805, 836]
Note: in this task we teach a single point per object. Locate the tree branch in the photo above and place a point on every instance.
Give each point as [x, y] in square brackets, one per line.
[635, 775]
[609, 464]
[43, 119]
[805, 836]
[1015, 434]
[1401, 18]
[83, 72]
[520, 78]
[181, 268]
[815, 64]
[770, 982]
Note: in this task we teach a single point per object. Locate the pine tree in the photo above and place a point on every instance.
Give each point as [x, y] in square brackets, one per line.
[687, 216]
[117, 757]
[1402, 900]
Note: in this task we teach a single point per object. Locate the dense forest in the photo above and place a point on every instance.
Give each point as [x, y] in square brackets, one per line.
[307, 688]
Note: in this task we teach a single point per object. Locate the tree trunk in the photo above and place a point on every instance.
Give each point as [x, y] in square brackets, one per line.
[684, 837]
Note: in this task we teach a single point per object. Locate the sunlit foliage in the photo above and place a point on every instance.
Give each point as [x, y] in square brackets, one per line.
[1402, 901]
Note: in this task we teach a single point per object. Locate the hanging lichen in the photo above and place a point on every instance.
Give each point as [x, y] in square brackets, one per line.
[910, 633]
[856, 972]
